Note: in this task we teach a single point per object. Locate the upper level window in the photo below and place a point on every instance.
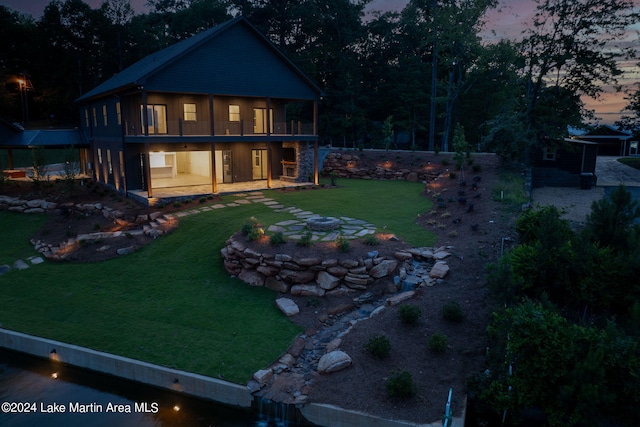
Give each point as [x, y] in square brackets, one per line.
[234, 113]
[156, 118]
[548, 153]
[104, 115]
[95, 117]
[190, 112]
[118, 113]
[86, 117]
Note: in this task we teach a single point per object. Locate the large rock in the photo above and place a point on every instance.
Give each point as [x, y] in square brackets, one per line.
[327, 281]
[385, 268]
[251, 277]
[307, 291]
[287, 306]
[277, 285]
[334, 361]
[439, 270]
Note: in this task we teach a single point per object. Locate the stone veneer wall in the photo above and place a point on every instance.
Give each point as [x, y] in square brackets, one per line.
[314, 276]
[346, 165]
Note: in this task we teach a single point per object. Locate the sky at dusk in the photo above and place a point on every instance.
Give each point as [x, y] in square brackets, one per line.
[507, 21]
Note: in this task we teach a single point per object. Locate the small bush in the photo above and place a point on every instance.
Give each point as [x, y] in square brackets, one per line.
[452, 312]
[306, 239]
[445, 162]
[401, 384]
[277, 238]
[476, 167]
[409, 313]
[176, 204]
[370, 240]
[379, 346]
[453, 175]
[249, 225]
[343, 244]
[438, 343]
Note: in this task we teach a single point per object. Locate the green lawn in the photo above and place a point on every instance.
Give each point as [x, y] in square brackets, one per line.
[172, 303]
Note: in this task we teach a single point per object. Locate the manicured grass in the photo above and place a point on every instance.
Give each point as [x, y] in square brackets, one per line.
[634, 162]
[172, 303]
[390, 205]
[13, 229]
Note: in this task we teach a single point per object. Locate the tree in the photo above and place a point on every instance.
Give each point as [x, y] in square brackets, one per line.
[631, 120]
[572, 44]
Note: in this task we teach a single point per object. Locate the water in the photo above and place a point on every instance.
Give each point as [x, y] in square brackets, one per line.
[41, 385]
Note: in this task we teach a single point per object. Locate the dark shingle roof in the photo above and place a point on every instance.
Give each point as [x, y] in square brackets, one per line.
[136, 74]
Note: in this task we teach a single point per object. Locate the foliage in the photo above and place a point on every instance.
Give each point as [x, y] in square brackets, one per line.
[452, 312]
[544, 225]
[370, 240]
[438, 343]
[306, 239]
[277, 238]
[379, 346]
[611, 221]
[40, 167]
[343, 244]
[409, 313]
[400, 384]
[71, 169]
[252, 229]
[560, 367]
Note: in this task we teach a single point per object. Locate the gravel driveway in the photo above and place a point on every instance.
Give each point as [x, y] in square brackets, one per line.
[576, 202]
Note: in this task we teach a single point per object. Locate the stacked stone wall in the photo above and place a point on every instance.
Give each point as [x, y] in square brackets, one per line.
[349, 165]
[317, 277]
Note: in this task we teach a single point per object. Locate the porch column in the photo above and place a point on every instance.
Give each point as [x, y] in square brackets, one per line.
[147, 168]
[315, 117]
[214, 184]
[269, 176]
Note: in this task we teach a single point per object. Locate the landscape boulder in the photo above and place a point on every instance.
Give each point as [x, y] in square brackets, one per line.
[334, 361]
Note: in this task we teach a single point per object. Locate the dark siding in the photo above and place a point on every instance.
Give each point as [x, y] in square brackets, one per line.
[235, 62]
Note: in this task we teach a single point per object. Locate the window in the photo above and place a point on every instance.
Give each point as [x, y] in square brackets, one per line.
[86, 117]
[118, 113]
[156, 117]
[234, 113]
[104, 115]
[95, 117]
[190, 112]
[100, 155]
[549, 154]
[260, 120]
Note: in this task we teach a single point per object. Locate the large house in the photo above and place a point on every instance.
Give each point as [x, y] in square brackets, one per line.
[220, 108]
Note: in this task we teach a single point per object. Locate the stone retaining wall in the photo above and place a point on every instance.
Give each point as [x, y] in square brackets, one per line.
[154, 224]
[346, 165]
[316, 277]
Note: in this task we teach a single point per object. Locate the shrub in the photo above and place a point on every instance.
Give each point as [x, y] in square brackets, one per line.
[306, 239]
[343, 244]
[400, 384]
[476, 167]
[249, 225]
[370, 240]
[409, 313]
[438, 343]
[379, 346]
[452, 312]
[277, 238]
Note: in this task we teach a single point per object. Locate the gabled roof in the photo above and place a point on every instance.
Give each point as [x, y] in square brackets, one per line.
[606, 131]
[138, 73]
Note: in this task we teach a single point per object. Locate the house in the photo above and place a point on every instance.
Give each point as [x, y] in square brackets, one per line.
[220, 108]
[572, 164]
[612, 142]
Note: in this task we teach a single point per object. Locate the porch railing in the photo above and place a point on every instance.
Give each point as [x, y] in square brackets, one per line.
[180, 127]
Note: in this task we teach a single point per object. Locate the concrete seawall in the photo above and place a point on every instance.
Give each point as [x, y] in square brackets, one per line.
[188, 383]
[195, 385]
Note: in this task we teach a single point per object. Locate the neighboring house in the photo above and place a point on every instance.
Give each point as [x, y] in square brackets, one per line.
[14, 137]
[573, 166]
[217, 109]
[612, 142]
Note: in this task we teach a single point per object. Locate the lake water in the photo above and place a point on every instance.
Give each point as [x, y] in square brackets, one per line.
[34, 392]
